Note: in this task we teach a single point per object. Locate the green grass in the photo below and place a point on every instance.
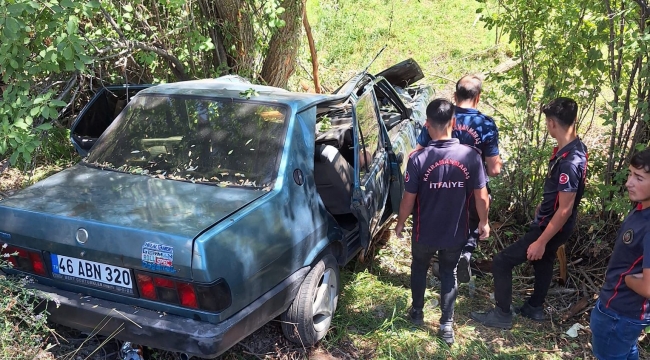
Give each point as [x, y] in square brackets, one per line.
[372, 316]
[444, 37]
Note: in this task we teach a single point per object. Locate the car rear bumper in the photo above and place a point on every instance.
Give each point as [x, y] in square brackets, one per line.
[167, 332]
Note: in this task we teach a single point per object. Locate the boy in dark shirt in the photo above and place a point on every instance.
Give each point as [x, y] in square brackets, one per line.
[553, 223]
[623, 309]
[439, 181]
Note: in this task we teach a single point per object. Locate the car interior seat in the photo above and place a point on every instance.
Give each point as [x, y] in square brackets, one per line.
[334, 178]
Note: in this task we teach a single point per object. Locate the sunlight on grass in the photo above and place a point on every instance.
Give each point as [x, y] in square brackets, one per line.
[372, 314]
[444, 37]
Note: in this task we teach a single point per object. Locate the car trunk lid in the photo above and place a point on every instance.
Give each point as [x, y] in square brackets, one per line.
[123, 220]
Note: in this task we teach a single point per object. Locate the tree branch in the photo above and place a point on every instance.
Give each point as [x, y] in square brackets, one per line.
[177, 66]
[110, 19]
[312, 49]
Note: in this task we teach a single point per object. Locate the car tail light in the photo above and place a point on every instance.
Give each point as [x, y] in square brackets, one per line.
[187, 295]
[25, 260]
[37, 263]
[147, 288]
[214, 297]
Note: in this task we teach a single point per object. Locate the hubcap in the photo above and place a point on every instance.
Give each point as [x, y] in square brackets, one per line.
[325, 300]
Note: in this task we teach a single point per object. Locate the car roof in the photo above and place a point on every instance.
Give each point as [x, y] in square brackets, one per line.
[229, 87]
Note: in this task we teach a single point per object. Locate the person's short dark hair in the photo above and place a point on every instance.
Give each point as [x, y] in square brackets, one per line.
[439, 113]
[469, 87]
[562, 109]
[641, 160]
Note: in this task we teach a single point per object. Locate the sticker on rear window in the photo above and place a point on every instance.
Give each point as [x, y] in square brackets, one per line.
[158, 257]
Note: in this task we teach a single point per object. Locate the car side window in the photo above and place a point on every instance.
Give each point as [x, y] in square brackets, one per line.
[370, 140]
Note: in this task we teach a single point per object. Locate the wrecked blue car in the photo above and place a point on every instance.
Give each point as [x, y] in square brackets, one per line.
[204, 209]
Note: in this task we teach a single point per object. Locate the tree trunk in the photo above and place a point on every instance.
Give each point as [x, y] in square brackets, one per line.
[238, 34]
[210, 15]
[280, 62]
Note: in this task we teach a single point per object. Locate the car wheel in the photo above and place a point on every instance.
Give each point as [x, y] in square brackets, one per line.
[309, 316]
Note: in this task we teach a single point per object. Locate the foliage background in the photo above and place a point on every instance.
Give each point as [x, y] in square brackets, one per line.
[54, 54]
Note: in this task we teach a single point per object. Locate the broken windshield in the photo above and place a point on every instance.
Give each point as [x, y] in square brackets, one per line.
[220, 141]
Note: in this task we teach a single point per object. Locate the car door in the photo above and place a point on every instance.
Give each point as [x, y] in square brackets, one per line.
[400, 139]
[99, 113]
[371, 168]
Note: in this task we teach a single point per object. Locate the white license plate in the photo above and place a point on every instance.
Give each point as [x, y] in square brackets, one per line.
[92, 273]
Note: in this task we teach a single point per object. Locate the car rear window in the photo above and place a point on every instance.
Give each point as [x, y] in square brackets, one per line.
[217, 141]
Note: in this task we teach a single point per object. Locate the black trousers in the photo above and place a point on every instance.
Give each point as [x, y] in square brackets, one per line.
[516, 254]
[448, 260]
[472, 223]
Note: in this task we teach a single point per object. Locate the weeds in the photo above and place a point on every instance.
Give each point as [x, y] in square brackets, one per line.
[23, 328]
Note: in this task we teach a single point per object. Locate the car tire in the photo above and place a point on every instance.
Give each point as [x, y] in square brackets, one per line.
[309, 316]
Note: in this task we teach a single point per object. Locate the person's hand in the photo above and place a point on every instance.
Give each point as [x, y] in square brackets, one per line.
[398, 230]
[483, 230]
[536, 251]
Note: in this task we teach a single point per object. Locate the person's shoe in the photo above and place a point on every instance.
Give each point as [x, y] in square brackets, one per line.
[416, 316]
[532, 312]
[495, 318]
[447, 335]
[463, 271]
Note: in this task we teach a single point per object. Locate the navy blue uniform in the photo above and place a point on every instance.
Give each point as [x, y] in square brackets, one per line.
[630, 256]
[480, 131]
[567, 169]
[620, 314]
[444, 176]
[567, 172]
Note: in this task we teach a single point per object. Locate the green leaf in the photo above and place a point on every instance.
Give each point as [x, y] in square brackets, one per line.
[44, 127]
[72, 26]
[35, 111]
[127, 8]
[85, 59]
[79, 65]
[13, 158]
[21, 124]
[67, 3]
[67, 53]
[127, 27]
[14, 64]
[27, 156]
[16, 9]
[54, 114]
[11, 28]
[58, 103]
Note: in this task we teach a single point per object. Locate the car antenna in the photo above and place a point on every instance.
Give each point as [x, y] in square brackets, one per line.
[375, 58]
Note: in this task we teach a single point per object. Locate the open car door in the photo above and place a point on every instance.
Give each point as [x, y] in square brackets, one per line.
[99, 113]
[371, 170]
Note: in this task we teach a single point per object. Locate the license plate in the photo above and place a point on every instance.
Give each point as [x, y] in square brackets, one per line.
[92, 273]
